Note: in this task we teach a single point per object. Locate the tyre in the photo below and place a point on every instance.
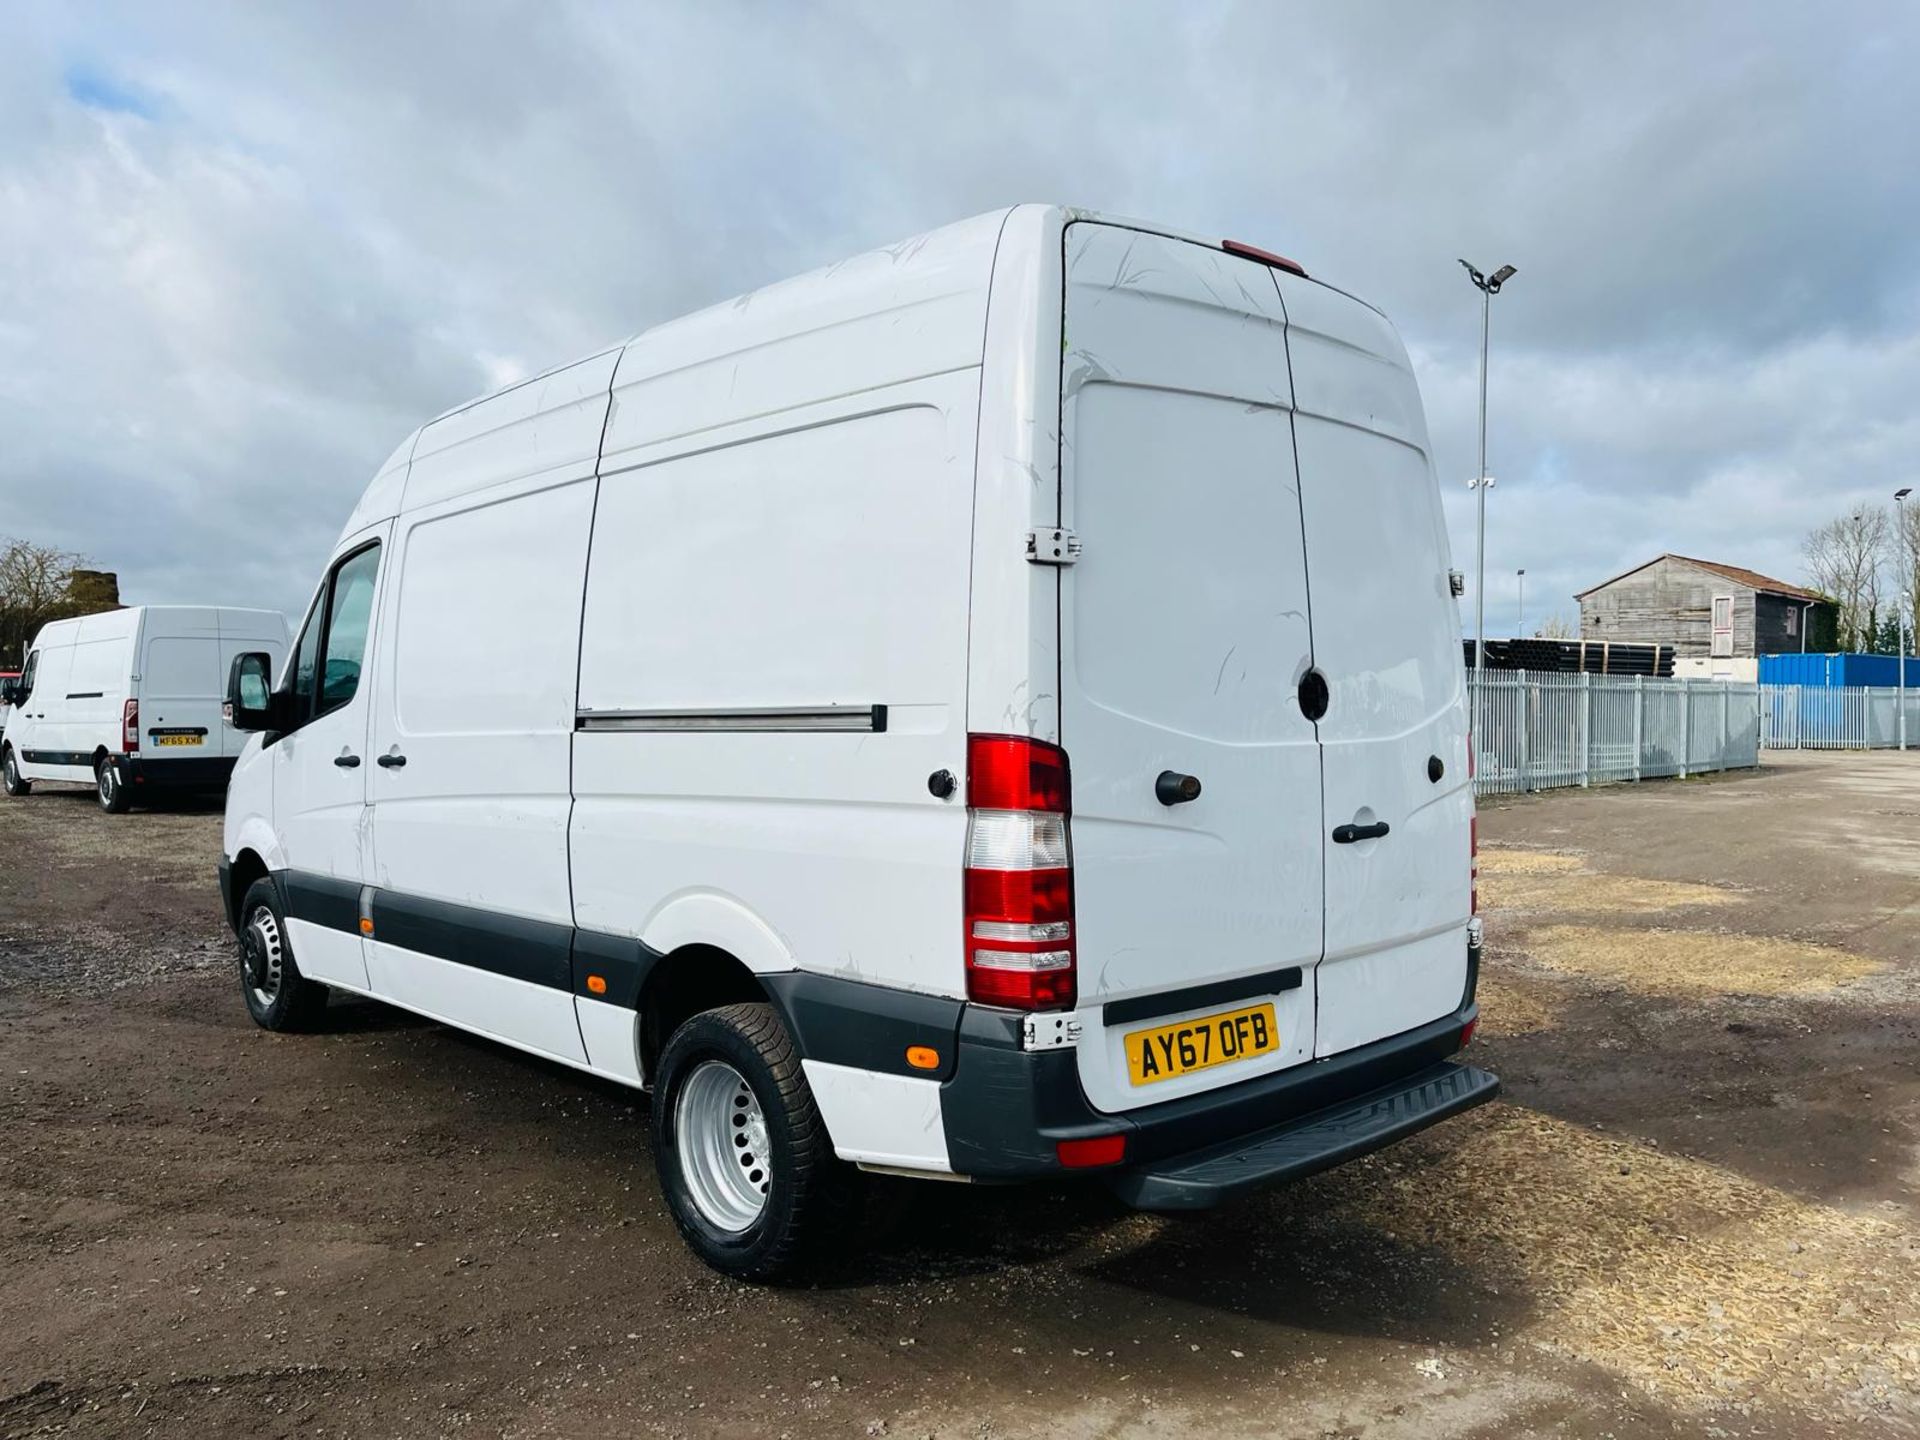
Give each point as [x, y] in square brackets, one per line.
[107, 785]
[10, 777]
[744, 1157]
[278, 996]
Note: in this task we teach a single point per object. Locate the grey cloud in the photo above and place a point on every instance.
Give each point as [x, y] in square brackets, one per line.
[335, 220]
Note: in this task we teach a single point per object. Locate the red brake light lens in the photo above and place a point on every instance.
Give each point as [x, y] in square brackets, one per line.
[1265, 257]
[1006, 772]
[130, 727]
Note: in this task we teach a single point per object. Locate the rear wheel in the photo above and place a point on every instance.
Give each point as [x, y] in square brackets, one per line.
[278, 996]
[107, 784]
[744, 1157]
[10, 777]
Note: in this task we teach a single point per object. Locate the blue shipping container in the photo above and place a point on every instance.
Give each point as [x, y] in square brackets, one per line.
[1837, 670]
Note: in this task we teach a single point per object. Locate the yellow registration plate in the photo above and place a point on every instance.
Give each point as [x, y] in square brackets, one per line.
[176, 739]
[1170, 1050]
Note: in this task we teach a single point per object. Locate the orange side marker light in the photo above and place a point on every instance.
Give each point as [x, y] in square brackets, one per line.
[923, 1057]
[597, 984]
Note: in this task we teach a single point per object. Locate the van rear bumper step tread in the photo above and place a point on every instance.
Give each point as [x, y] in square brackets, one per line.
[1318, 1141]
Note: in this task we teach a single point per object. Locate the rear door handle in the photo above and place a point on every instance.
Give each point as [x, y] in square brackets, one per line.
[391, 762]
[1347, 834]
[346, 762]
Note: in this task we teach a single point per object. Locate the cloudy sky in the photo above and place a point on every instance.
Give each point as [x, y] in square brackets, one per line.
[245, 249]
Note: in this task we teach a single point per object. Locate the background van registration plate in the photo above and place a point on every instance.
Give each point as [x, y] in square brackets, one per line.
[176, 739]
[1170, 1050]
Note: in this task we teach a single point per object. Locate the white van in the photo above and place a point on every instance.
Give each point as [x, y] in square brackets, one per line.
[128, 701]
[989, 709]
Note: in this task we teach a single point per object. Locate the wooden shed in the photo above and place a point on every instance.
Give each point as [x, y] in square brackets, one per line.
[1705, 609]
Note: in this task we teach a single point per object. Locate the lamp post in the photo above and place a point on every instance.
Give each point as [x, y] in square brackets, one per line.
[1906, 598]
[1489, 286]
[1520, 620]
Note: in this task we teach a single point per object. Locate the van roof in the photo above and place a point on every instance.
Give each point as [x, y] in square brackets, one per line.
[934, 281]
[962, 244]
[115, 624]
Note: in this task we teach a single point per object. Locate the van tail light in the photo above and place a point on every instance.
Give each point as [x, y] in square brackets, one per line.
[1018, 880]
[130, 727]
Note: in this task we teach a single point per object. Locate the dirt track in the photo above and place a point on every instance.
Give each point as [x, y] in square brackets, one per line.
[1693, 1211]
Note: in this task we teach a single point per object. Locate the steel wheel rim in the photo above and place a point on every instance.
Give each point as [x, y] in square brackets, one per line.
[108, 782]
[13, 770]
[721, 1133]
[263, 957]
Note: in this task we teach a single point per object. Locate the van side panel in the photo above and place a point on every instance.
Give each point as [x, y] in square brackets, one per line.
[814, 565]
[84, 678]
[475, 691]
[38, 732]
[100, 680]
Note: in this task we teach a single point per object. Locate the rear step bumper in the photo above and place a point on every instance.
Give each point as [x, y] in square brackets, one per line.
[1005, 1110]
[1310, 1143]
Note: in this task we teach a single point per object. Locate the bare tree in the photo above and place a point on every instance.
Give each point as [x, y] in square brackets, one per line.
[39, 583]
[1844, 561]
[1557, 627]
[1904, 535]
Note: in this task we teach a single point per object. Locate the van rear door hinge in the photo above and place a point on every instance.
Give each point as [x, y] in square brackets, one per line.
[1052, 547]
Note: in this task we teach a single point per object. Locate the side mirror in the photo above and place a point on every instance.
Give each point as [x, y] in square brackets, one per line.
[250, 698]
[12, 692]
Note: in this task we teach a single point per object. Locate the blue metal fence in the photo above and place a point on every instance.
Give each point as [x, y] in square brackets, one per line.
[1837, 717]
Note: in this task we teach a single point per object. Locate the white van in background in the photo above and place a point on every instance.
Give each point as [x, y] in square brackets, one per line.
[990, 709]
[128, 701]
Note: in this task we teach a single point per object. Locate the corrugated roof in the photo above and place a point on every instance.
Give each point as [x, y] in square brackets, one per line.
[1752, 579]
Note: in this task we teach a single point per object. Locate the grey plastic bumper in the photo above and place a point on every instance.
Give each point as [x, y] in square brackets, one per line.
[1310, 1143]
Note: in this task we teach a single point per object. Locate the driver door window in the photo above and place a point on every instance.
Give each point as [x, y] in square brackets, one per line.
[349, 612]
[325, 674]
[26, 677]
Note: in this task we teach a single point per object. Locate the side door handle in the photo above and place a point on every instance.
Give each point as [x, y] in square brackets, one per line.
[347, 762]
[1347, 834]
[391, 762]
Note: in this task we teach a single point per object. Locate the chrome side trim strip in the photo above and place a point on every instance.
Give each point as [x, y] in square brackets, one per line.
[867, 718]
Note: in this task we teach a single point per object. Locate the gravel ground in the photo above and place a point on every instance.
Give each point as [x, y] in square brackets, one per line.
[1692, 1213]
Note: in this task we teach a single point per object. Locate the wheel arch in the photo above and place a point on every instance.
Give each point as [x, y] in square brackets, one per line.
[681, 984]
[248, 868]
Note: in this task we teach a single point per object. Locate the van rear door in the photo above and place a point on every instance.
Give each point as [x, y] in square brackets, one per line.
[181, 685]
[1386, 635]
[1185, 637]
